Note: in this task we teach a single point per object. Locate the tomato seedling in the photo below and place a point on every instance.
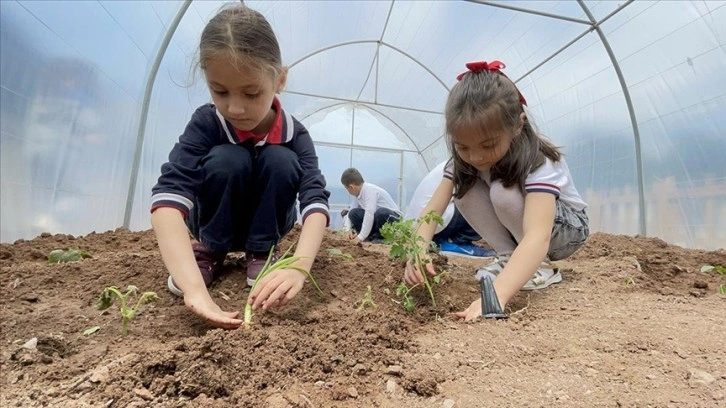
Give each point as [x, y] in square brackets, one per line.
[367, 301]
[407, 244]
[111, 293]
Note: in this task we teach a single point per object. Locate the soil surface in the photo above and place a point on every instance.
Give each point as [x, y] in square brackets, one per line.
[635, 323]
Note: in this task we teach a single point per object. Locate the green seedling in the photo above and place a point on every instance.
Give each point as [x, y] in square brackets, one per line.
[718, 268]
[438, 277]
[89, 331]
[284, 262]
[338, 252]
[403, 292]
[407, 244]
[106, 300]
[630, 281]
[367, 301]
[722, 289]
[71, 255]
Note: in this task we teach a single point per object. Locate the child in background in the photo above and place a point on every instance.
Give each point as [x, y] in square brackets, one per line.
[455, 237]
[372, 207]
[234, 175]
[512, 185]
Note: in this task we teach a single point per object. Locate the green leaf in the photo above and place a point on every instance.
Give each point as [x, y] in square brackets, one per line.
[437, 279]
[409, 305]
[91, 330]
[106, 299]
[707, 268]
[71, 255]
[338, 252]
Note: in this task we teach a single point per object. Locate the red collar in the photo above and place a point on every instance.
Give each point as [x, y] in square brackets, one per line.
[274, 136]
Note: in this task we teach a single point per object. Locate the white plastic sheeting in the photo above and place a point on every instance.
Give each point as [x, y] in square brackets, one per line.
[369, 79]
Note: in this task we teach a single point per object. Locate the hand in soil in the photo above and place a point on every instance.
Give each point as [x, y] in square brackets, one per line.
[412, 276]
[276, 289]
[471, 312]
[203, 306]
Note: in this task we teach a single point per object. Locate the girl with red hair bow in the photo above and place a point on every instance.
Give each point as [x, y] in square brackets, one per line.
[510, 184]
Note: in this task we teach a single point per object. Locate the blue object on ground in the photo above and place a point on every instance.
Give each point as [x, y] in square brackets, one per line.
[471, 251]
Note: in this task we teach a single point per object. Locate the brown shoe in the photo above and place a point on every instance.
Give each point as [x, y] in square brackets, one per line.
[209, 262]
[255, 262]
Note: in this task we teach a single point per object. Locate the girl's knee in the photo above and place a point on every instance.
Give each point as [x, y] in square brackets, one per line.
[226, 161]
[507, 199]
[278, 159]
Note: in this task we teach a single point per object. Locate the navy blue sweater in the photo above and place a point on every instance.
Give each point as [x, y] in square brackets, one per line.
[182, 176]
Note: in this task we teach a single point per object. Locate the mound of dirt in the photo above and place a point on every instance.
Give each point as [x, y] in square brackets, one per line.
[634, 323]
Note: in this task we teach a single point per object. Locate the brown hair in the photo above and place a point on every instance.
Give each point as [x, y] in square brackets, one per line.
[244, 35]
[490, 100]
[351, 176]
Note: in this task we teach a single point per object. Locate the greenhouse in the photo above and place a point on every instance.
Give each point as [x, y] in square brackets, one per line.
[631, 90]
[96, 96]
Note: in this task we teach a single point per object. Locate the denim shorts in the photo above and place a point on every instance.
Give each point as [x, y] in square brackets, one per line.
[569, 232]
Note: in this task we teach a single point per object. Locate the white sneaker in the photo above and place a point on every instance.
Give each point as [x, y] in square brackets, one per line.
[545, 276]
[493, 269]
[173, 288]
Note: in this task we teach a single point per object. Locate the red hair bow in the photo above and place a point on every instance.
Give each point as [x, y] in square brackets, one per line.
[494, 66]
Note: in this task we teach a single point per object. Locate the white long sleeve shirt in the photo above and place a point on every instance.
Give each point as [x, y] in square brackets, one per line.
[424, 191]
[370, 199]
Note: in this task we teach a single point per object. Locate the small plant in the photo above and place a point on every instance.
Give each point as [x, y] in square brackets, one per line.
[367, 301]
[338, 252]
[57, 256]
[106, 300]
[630, 281]
[722, 289]
[284, 262]
[403, 292]
[718, 268]
[407, 244]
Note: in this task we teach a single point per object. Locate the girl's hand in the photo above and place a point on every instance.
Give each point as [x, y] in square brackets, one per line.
[413, 276]
[352, 235]
[276, 289]
[203, 306]
[472, 312]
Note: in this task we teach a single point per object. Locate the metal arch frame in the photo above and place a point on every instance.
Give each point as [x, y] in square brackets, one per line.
[366, 106]
[145, 109]
[631, 112]
[594, 25]
[379, 42]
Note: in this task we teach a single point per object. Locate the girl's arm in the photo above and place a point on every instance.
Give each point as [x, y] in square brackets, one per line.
[311, 237]
[176, 252]
[539, 215]
[438, 203]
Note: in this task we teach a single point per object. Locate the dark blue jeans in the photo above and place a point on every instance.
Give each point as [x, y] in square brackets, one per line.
[382, 216]
[247, 199]
[458, 231]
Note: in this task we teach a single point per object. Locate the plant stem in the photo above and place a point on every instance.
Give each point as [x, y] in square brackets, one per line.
[422, 268]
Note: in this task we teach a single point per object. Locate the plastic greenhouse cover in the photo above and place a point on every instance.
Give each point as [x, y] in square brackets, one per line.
[369, 79]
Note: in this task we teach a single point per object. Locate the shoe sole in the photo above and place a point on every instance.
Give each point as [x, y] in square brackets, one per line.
[556, 278]
[250, 282]
[459, 254]
[172, 287]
